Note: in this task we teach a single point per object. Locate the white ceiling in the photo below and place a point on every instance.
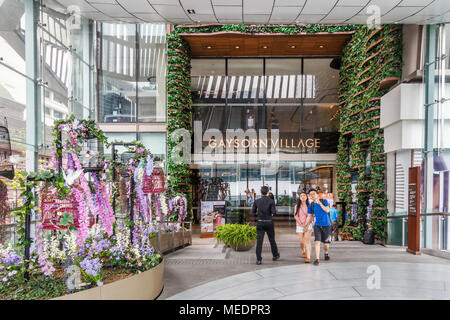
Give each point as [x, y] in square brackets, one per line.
[261, 11]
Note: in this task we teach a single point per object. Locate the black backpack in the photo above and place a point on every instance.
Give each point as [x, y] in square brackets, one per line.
[369, 237]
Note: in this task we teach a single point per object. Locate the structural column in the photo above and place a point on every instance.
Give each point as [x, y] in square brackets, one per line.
[430, 101]
[33, 114]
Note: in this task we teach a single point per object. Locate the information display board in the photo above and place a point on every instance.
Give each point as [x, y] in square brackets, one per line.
[209, 220]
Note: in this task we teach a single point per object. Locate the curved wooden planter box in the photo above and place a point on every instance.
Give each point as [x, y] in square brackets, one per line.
[245, 246]
[145, 286]
[165, 241]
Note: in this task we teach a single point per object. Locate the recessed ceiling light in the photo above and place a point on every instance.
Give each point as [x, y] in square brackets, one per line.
[265, 47]
[237, 47]
[208, 47]
[321, 47]
[292, 47]
[190, 11]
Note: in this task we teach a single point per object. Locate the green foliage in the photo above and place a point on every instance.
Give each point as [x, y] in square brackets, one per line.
[369, 58]
[235, 234]
[39, 287]
[66, 219]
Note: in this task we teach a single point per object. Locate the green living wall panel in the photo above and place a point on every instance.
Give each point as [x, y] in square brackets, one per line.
[372, 63]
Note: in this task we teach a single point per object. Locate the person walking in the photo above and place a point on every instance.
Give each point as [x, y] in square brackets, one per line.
[303, 230]
[249, 198]
[334, 223]
[322, 225]
[264, 207]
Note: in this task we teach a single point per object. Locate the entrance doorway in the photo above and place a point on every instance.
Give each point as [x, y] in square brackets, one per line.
[291, 178]
[296, 96]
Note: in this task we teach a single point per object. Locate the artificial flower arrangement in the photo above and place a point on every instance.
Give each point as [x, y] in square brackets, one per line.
[153, 206]
[77, 225]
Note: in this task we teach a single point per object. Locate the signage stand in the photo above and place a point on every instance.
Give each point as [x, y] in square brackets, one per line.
[208, 220]
[414, 211]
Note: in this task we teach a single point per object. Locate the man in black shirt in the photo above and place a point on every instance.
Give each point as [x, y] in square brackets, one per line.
[265, 207]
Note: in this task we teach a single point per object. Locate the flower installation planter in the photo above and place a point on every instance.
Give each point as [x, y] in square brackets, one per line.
[79, 228]
[147, 285]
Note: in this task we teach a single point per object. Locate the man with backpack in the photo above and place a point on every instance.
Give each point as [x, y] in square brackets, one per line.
[322, 226]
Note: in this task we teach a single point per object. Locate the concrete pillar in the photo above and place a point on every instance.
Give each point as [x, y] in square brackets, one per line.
[33, 101]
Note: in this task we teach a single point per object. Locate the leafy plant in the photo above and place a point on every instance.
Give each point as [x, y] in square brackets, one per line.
[235, 234]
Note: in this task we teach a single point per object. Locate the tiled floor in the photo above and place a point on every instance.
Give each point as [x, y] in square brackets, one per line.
[207, 270]
[334, 280]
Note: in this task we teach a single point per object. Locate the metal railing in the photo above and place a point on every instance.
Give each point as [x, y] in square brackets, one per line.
[442, 239]
[173, 247]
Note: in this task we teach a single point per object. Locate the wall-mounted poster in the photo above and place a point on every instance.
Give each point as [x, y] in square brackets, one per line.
[207, 213]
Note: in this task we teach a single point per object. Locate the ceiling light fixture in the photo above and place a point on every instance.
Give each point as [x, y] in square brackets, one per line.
[265, 47]
[237, 47]
[190, 11]
[292, 47]
[208, 47]
[321, 47]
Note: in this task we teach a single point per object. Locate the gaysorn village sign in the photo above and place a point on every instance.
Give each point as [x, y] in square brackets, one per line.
[237, 145]
[301, 145]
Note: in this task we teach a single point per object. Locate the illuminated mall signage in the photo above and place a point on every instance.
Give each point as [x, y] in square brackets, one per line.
[298, 144]
[237, 145]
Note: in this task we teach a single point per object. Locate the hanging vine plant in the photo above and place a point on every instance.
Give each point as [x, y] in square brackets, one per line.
[372, 62]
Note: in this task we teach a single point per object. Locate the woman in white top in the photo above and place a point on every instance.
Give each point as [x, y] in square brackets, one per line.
[304, 230]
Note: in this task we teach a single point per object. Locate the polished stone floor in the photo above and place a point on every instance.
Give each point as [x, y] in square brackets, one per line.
[207, 270]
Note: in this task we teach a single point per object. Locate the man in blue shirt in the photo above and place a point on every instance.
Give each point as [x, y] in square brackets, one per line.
[322, 226]
[334, 222]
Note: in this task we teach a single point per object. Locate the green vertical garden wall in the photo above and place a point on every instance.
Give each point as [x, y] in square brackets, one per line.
[371, 64]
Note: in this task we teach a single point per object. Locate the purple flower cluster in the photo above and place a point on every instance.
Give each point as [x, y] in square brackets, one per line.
[116, 253]
[101, 245]
[10, 262]
[146, 250]
[10, 258]
[91, 266]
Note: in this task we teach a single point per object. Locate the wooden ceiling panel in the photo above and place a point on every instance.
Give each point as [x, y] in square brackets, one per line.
[227, 44]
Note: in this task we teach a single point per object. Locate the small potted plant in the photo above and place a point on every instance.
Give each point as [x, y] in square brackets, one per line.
[240, 237]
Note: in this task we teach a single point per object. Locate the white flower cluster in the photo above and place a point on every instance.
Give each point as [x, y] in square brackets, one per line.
[164, 207]
[136, 251]
[123, 237]
[70, 240]
[54, 251]
[96, 230]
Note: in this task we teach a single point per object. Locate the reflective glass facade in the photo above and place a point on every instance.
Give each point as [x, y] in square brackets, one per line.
[436, 165]
[297, 96]
[131, 70]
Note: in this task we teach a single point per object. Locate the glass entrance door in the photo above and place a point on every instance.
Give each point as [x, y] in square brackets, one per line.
[290, 178]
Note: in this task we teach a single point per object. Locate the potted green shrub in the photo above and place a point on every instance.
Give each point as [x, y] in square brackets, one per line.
[240, 237]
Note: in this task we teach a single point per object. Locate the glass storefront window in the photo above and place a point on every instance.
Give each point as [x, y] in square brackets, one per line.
[275, 93]
[155, 142]
[320, 85]
[245, 94]
[118, 137]
[291, 177]
[117, 74]
[208, 88]
[152, 73]
[131, 73]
